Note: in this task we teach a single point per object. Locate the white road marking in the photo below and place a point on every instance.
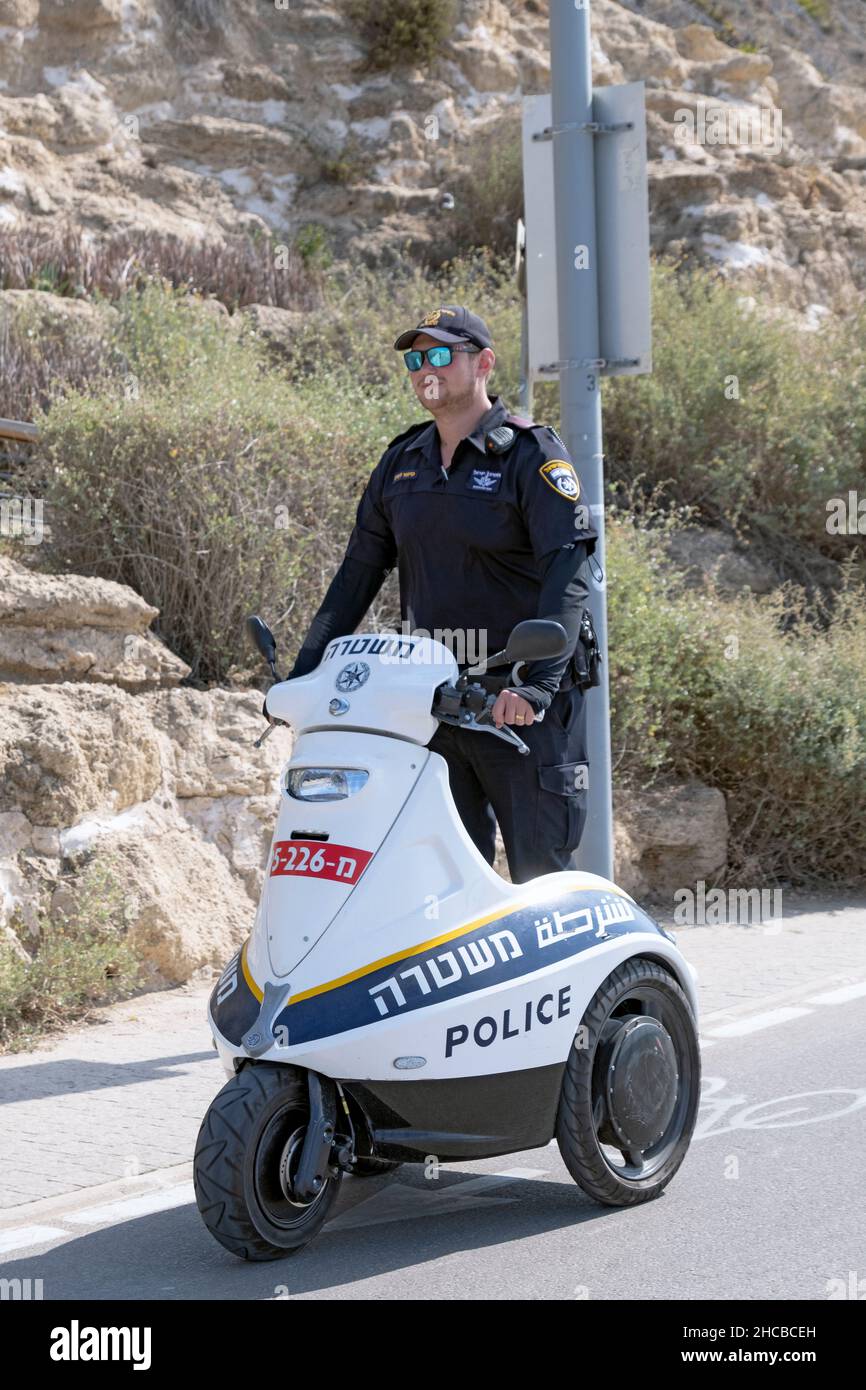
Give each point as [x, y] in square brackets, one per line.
[129, 1207]
[25, 1236]
[757, 1022]
[839, 996]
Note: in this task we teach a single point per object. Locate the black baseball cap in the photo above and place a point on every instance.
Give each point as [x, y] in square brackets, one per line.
[453, 323]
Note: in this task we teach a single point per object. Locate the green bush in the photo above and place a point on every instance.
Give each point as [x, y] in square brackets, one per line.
[71, 967]
[179, 479]
[766, 461]
[403, 31]
[749, 696]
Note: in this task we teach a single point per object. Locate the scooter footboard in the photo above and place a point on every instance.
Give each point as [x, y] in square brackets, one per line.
[460, 1118]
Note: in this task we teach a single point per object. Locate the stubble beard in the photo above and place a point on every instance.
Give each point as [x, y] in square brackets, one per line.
[450, 404]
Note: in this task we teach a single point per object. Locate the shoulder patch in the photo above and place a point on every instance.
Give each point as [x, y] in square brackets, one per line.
[560, 475]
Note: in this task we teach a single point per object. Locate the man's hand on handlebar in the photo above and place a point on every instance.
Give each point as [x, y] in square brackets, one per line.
[511, 708]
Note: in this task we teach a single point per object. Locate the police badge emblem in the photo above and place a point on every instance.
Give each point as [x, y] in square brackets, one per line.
[485, 480]
[433, 318]
[560, 475]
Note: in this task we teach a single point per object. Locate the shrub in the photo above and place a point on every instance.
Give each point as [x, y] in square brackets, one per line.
[237, 269]
[36, 367]
[750, 697]
[172, 480]
[403, 31]
[766, 462]
[71, 967]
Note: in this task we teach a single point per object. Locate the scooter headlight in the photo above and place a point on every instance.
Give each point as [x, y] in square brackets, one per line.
[324, 783]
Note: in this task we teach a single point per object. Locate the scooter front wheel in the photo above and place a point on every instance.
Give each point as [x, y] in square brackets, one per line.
[631, 1086]
[246, 1158]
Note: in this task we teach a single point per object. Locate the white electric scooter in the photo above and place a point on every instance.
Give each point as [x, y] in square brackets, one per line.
[397, 999]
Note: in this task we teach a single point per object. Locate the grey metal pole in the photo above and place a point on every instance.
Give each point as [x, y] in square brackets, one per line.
[525, 392]
[580, 393]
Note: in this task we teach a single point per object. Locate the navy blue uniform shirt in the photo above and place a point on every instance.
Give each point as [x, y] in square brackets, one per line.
[478, 547]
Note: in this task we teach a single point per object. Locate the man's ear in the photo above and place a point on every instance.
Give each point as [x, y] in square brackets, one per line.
[486, 361]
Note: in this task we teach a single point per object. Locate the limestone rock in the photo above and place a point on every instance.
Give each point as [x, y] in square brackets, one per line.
[55, 317]
[241, 827]
[18, 13]
[71, 750]
[31, 599]
[669, 837]
[277, 326]
[132, 661]
[62, 627]
[698, 43]
[207, 738]
[128, 115]
[185, 911]
[79, 14]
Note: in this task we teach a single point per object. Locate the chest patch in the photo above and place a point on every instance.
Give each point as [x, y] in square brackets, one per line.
[405, 473]
[485, 480]
[560, 475]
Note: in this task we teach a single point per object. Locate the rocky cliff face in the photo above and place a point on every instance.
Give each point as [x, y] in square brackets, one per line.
[104, 761]
[201, 117]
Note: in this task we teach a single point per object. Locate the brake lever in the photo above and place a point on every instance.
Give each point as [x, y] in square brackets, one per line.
[268, 731]
[486, 725]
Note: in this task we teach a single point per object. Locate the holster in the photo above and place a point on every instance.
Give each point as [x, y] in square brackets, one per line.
[584, 669]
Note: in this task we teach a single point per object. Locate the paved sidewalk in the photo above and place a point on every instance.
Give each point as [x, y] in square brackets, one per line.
[125, 1095]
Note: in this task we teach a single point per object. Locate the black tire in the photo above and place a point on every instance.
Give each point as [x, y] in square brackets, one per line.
[369, 1167]
[636, 993]
[252, 1131]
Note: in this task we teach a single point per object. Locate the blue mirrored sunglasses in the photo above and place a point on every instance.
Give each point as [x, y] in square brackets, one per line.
[439, 356]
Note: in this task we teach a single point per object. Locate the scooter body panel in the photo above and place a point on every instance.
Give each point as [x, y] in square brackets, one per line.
[444, 998]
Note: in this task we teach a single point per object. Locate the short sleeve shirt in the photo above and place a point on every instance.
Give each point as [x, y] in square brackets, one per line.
[468, 541]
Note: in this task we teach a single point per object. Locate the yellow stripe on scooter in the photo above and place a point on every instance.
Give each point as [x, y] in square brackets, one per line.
[415, 950]
[251, 984]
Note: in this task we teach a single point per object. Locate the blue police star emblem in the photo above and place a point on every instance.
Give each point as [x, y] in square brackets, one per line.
[560, 475]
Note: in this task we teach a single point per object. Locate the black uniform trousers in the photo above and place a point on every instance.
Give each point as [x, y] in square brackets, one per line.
[539, 798]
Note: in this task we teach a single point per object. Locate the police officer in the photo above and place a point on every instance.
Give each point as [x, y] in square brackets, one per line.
[481, 512]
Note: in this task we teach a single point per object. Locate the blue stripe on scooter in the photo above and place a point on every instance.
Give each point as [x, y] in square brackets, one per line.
[506, 949]
[239, 1010]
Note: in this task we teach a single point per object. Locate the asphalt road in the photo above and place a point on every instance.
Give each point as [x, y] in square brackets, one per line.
[768, 1204]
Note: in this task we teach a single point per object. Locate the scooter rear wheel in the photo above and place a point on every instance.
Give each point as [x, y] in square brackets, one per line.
[246, 1156]
[631, 1087]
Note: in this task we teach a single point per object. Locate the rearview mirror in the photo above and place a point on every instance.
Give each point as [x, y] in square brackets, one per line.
[536, 639]
[261, 635]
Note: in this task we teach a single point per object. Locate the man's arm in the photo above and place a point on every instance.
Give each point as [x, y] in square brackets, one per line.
[560, 529]
[349, 595]
[370, 555]
[563, 597]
